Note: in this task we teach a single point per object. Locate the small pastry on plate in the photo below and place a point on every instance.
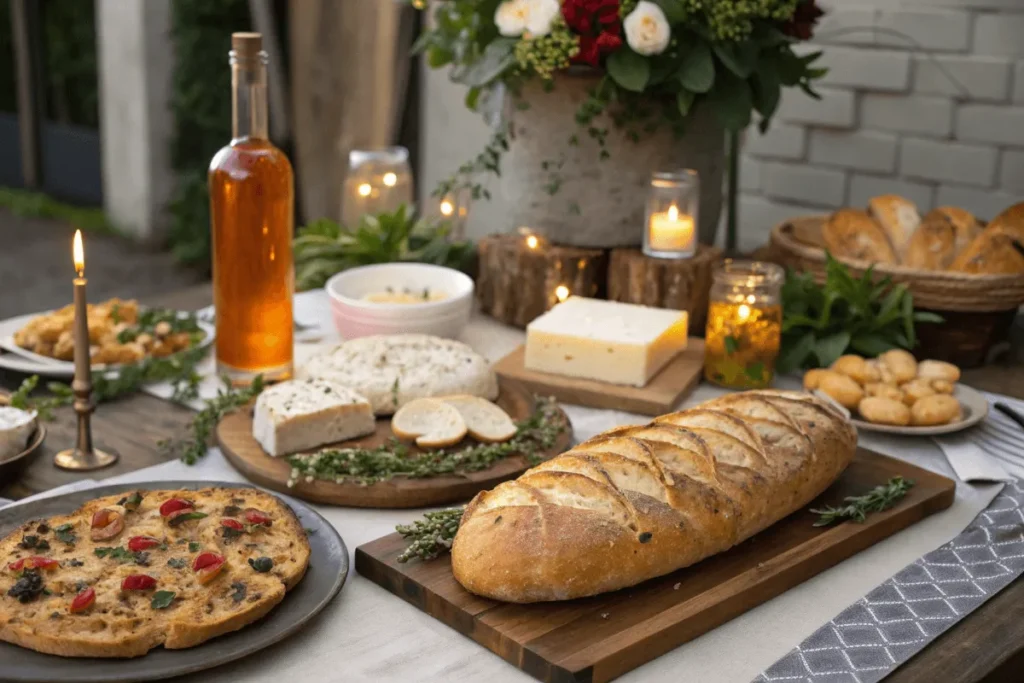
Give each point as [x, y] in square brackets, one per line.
[915, 390]
[812, 378]
[900, 364]
[938, 409]
[942, 386]
[937, 369]
[883, 390]
[886, 411]
[857, 368]
[843, 389]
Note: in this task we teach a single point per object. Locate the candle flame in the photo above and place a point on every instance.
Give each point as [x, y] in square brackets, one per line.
[390, 179]
[561, 293]
[365, 190]
[78, 254]
[673, 213]
[446, 208]
[743, 312]
[532, 241]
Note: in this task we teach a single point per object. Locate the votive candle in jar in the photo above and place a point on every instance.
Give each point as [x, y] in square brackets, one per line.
[670, 222]
[377, 181]
[744, 324]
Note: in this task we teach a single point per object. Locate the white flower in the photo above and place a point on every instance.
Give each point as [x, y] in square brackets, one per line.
[530, 17]
[647, 29]
[511, 17]
[542, 14]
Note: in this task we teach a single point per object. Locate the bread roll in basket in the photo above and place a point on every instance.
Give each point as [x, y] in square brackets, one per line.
[634, 503]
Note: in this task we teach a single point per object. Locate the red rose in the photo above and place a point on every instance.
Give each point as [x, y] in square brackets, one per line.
[598, 25]
[804, 18]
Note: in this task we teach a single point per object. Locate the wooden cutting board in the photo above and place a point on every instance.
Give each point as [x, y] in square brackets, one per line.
[662, 394]
[234, 436]
[599, 638]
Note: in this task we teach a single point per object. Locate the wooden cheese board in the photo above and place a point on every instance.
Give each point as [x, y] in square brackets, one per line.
[672, 384]
[599, 638]
[234, 436]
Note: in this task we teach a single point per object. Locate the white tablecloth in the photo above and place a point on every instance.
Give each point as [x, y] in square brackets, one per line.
[368, 634]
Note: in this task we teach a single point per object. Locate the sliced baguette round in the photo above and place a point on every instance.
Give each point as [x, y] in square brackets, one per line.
[430, 422]
[485, 421]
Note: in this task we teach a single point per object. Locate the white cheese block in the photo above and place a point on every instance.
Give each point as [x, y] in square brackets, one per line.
[606, 341]
[16, 426]
[298, 415]
[392, 370]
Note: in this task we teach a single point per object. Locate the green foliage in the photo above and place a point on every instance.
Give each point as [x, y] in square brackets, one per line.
[201, 104]
[39, 205]
[821, 322]
[72, 86]
[324, 247]
[857, 508]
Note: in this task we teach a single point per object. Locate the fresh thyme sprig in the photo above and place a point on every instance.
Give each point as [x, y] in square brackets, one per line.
[857, 508]
[432, 535]
[535, 434]
[179, 370]
[228, 398]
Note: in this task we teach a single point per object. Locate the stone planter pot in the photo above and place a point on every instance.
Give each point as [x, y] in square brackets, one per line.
[598, 203]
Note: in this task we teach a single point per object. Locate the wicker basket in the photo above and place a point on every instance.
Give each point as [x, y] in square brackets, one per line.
[979, 309]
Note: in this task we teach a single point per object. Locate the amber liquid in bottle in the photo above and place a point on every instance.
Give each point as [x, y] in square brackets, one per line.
[251, 211]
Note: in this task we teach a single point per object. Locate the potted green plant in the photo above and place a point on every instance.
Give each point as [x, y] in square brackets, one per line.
[597, 94]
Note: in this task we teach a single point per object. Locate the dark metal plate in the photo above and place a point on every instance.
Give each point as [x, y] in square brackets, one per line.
[328, 568]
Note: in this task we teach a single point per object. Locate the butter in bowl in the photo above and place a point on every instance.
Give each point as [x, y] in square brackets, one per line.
[400, 298]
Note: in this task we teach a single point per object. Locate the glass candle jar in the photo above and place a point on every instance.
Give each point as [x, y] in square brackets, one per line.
[453, 210]
[378, 180]
[670, 223]
[744, 324]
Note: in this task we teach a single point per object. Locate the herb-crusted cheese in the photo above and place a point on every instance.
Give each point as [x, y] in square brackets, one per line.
[392, 370]
[298, 415]
[16, 426]
[606, 341]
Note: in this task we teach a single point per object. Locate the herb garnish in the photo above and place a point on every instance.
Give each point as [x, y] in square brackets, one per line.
[184, 517]
[29, 542]
[122, 555]
[231, 534]
[238, 590]
[28, 587]
[430, 536]
[857, 508]
[232, 511]
[132, 502]
[66, 533]
[261, 564]
[368, 466]
[177, 562]
[228, 398]
[162, 599]
[194, 547]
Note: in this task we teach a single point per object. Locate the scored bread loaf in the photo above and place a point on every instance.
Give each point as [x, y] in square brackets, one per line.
[898, 218]
[852, 233]
[639, 502]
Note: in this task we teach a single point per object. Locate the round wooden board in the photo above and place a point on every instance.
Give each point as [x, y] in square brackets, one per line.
[234, 436]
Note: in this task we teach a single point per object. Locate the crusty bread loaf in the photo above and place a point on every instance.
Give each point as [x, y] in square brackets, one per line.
[934, 244]
[638, 502]
[997, 249]
[964, 223]
[853, 234]
[898, 218]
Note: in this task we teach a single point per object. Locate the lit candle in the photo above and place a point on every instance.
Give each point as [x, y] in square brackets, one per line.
[561, 293]
[81, 329]
[671, 231]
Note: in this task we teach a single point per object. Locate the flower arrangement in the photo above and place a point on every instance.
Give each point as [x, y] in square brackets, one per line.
[662, 57]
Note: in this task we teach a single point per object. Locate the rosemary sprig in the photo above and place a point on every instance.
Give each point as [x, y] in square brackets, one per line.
[179, 369]
[367, 466]
[430, 536]
[880, 498]
[228, 398]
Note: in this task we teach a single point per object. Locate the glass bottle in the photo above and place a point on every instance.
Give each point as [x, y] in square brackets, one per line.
[744, 324]
[252, 219]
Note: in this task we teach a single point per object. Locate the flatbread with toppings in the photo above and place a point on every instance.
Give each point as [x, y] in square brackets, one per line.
[124, 574]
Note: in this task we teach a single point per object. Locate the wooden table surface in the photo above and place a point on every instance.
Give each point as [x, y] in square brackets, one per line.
[987, 646]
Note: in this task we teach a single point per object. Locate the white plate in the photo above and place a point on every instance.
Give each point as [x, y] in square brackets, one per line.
[18, 359]
[972, 404]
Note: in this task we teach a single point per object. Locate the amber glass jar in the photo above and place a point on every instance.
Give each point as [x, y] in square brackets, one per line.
[744, 324]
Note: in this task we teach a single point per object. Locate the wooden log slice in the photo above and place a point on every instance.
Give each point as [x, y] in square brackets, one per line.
[682, 284]
[234, 436]
[516, 282]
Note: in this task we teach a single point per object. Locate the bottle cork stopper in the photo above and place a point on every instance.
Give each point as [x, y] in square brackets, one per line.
[246, 45]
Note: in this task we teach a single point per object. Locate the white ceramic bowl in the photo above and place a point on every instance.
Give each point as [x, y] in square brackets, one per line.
[354, 316]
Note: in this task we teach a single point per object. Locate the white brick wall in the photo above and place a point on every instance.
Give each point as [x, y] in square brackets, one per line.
[925, 98]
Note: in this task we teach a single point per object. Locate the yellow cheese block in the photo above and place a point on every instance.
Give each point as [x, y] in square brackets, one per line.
[606, 341]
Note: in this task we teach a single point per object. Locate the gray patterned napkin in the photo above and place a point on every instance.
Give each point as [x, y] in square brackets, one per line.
[893, 622]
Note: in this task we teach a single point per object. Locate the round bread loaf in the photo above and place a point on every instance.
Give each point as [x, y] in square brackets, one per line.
[638, 502]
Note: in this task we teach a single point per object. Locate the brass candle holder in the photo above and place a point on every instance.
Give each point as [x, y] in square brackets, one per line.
[83, 457]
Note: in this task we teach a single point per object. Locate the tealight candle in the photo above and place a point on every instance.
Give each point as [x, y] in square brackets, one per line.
[744, 327]
[378, 181]
[672, 204]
